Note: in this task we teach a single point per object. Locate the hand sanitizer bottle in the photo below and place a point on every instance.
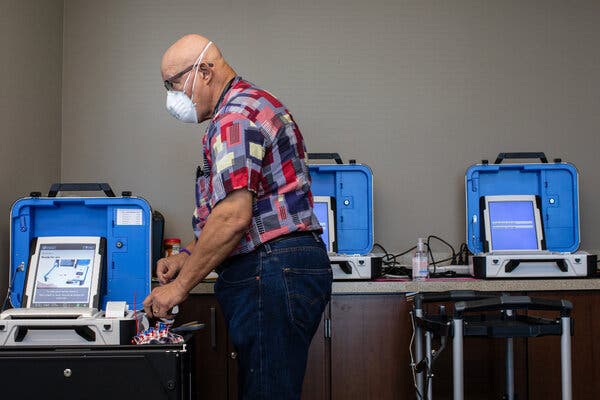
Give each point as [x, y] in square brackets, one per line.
[420, 270]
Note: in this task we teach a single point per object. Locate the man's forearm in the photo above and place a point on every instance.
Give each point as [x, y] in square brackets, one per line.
[190, 246]
[222, 232]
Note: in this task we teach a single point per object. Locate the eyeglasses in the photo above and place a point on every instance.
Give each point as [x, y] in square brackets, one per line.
[169, 82]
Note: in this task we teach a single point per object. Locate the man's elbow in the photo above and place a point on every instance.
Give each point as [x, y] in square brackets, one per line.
[236, 211]
[241, 222]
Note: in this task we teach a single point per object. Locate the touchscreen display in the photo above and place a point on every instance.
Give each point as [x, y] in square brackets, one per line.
[63, 275]
[321, 210]
[513, 225]
[324, 215]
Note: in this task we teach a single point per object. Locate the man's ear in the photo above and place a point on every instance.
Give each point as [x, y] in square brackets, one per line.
[206, 71]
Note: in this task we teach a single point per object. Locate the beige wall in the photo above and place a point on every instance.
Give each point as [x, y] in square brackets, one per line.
[418, 90]
[30, 104]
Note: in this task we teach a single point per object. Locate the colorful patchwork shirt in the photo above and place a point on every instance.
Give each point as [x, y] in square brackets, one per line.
[253, 143]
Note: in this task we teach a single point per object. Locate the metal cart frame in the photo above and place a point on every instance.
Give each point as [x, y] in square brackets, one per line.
[485, 314]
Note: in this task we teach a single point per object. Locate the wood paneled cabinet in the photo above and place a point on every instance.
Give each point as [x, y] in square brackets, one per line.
[212, 350]
[369, 347]
[352, 356]
[361, 351]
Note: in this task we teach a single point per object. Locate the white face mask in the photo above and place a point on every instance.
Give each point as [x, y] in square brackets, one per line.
[179, 104]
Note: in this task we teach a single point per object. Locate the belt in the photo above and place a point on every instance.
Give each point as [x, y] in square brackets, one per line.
[292, 235]
[260, 247]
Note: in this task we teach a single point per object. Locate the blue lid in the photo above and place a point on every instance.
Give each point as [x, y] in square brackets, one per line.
[556, 184]
[352, 188]
[125, 222]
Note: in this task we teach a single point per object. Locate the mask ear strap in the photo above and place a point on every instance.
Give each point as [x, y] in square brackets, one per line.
[188, 78]
[195, 68]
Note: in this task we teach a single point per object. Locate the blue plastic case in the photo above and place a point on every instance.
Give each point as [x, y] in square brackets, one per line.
[352, 187]
[557, 185]
[125, 222]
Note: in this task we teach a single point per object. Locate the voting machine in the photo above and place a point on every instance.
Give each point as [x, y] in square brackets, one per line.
[523, 219]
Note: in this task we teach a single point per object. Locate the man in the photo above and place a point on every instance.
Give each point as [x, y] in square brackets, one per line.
[253, 221]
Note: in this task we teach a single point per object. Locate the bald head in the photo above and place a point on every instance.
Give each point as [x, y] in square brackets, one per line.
[184, 52]
[212, 72]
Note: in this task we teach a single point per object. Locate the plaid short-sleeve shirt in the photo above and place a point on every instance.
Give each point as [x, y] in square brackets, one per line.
[253, 143]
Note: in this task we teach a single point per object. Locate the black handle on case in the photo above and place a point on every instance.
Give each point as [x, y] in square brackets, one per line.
[344, 266]
[513, 264]
[80, 187]
[507, 156]
[84, 331]
[326, 156]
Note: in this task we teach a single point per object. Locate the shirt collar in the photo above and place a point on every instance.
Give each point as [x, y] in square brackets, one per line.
[224, 93]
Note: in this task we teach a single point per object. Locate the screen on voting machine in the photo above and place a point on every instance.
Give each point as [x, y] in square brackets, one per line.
[321, 210]
[513, 225]
[324, 211]
[63, 275]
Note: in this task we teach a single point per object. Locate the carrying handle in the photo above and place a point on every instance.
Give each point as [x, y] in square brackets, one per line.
[80, 187]
[513, 264]
[451, 296]
[326, 156]
[513, 303]
[84, 331]
[521, 155]
[344, 266]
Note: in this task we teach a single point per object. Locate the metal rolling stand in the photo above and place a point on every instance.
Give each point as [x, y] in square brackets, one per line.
[427, 326]
[486, 315]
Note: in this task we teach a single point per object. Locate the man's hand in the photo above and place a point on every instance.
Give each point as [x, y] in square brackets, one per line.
[161, 301]
[168, 268]
[223, 230]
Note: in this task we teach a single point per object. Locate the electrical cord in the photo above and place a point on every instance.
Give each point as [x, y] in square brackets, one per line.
[428, 371]
[392, 266]
[463, 254]
[430, 252]
[20, 268]
[392, 257]
[434, 356]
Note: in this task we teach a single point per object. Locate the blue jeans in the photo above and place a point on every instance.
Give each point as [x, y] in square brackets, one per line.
[273, 299]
